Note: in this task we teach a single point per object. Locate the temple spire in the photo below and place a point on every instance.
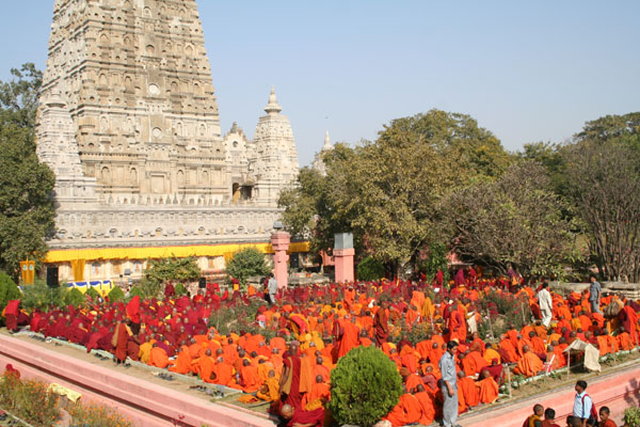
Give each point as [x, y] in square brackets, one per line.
[327, 142]
[273, 106]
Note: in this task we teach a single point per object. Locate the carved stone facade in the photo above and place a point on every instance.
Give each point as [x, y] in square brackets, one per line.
[129, 123]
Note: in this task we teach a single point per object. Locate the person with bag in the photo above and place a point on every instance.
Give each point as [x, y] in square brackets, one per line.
[583, 406]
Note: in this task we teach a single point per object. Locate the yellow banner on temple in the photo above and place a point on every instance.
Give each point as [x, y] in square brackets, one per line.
[77, 266]
[157, 252]
[28, 272]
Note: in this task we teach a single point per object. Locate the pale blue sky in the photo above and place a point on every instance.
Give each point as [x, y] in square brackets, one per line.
[526, 70]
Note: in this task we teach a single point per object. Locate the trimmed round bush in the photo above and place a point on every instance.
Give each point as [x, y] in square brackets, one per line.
[74, 297]
[116, 294]
[136, 292]
[365, 386]
[92, 293]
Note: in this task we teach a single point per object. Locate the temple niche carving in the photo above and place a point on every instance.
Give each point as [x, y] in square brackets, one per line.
[129, 123]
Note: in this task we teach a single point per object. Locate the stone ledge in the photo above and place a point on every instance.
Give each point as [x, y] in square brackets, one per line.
[145, 403]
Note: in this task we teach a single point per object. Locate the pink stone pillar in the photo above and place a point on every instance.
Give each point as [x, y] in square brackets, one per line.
[344, 264]
[280, 242]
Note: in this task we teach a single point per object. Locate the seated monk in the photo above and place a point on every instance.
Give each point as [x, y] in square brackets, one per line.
[158, 357]
[182, 364]
[530, 364]
[302, 418]
[488, 387]
[223, 373]
[204, 366]
[407, 411]
[427, 405]
[249, 377]
[269, 391]
[318, 396]
[469, 390]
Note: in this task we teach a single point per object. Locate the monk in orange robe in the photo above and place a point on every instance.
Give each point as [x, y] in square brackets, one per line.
[407, 411]
[158, 357]
[318, 396]
[349, 336]
[469, 390]
[427, 406]
[488, 388]
[223, 372]
[182, 364]
[204, 366]
[270, 389]
[249, 377]
[530, 364]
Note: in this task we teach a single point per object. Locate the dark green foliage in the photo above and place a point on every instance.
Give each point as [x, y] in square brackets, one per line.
[365, 386]
[116, 294]
[501, 312]
[180, 290]
[136, 291]
[246, 263]
[241, 317]
[160, 271]
[370, 269]
[74, 297]
[39, 296]
[93, 294]
[436, 260]
[8, 291]
[26, 207]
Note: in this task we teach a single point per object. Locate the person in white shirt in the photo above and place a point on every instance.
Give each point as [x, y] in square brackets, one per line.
[582, 404]
[546, 306]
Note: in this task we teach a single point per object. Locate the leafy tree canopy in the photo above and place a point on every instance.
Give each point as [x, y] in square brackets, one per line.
[161, 271]
[246, 263]
[26, 185]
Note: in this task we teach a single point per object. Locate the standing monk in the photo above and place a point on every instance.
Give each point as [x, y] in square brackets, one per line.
[120, 341]
[290, 381]
[381, 323]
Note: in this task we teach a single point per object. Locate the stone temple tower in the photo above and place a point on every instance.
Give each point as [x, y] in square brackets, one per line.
[134, 78]
[276, 159]
[129, 123]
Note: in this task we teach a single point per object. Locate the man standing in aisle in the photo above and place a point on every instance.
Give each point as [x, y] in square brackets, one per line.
[595, 292]
[546, 306]
[272, 288]
[449, 387]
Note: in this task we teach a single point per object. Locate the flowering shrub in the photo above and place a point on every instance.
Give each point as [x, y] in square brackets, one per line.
[28, 400]
[94, 415]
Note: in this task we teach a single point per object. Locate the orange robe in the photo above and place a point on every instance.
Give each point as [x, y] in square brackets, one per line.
[270, 390]
[529, 365]
[204, 367]
[470, 391]
[407, 411]
[427, 406]
[158, 357]
[314, 399]
[182, 364]
[488, 390]
[250, 379]
[349, 338]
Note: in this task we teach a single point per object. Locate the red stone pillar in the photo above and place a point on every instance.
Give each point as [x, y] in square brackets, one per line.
[344, 264]
[280, 242]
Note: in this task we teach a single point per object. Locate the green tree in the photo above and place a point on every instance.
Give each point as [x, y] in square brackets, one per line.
[246, 263]
[603, 183]
[161, 271]
[26, 206]
[515, 220]
[388, 192]
[74, 297]
[116, 294]
[41, 297]
[365, 386]
[370, 269]
[8, 291]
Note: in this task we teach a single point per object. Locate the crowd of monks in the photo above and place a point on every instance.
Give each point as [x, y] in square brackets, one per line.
[310, 328]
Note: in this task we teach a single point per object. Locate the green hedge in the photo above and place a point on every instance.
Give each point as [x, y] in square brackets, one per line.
[365, 386]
